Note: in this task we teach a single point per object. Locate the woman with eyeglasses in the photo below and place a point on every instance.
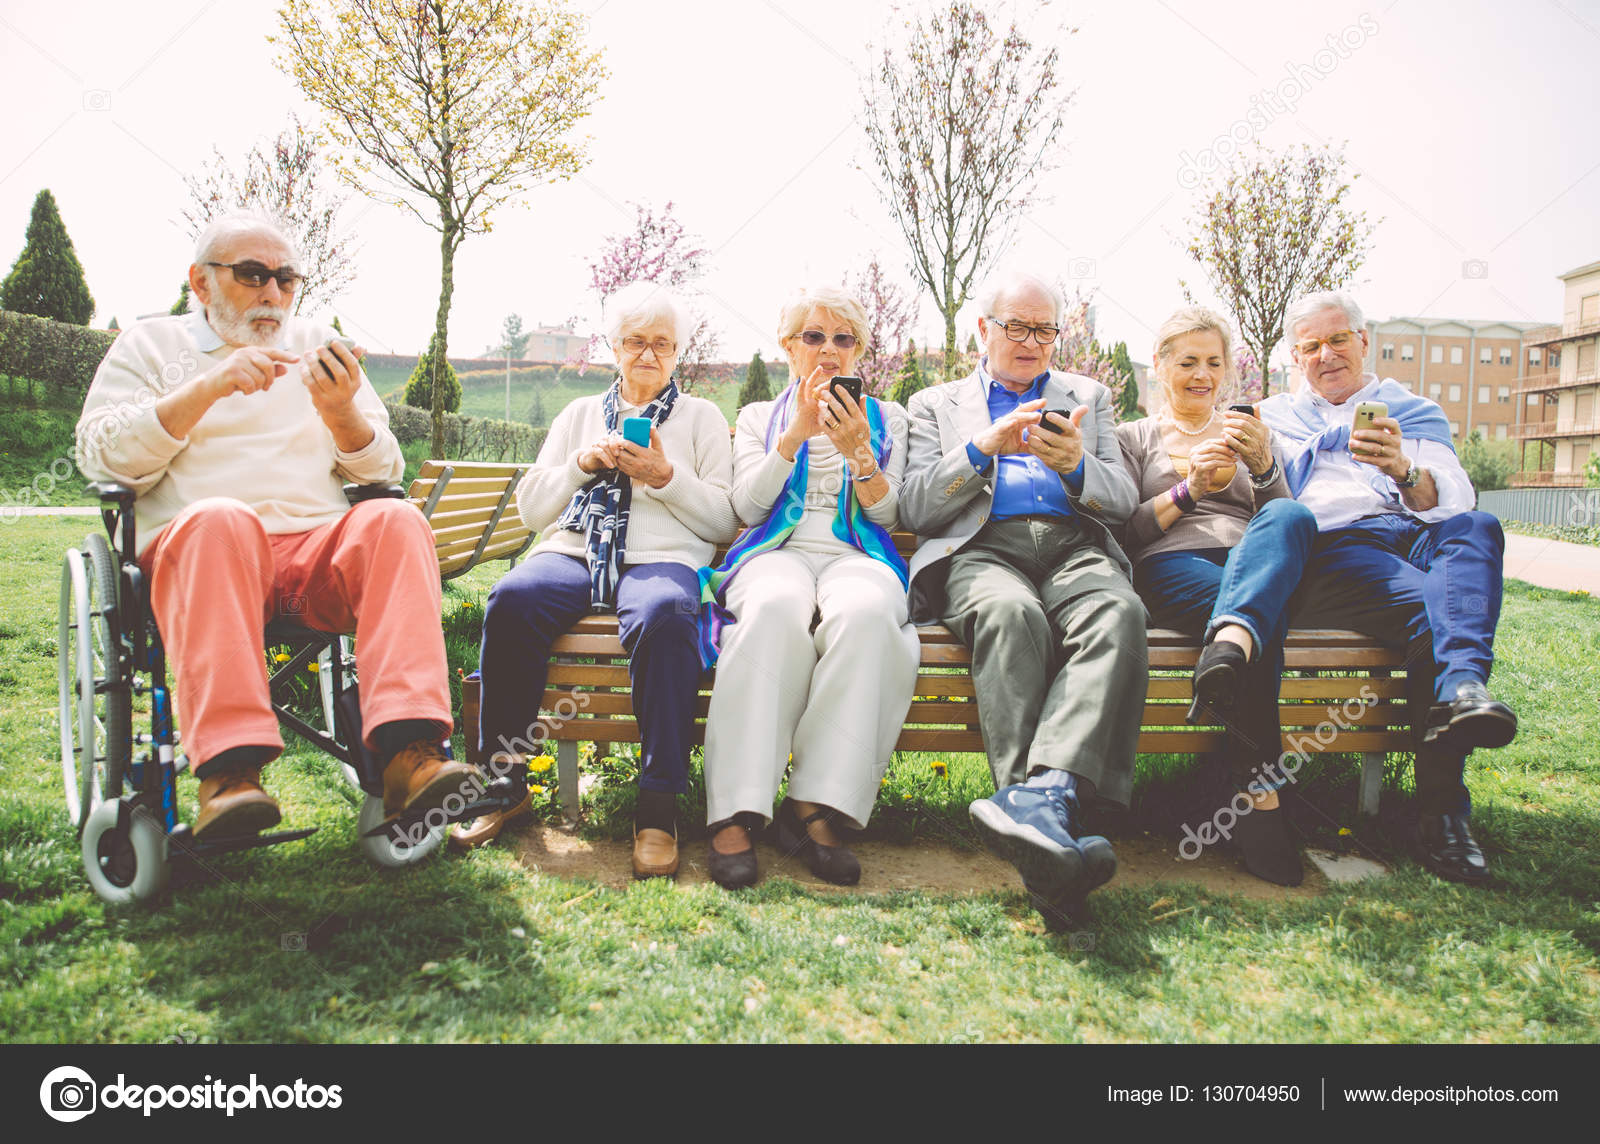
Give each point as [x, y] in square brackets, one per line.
[806, 617]
[1218, 546]
[632, 493]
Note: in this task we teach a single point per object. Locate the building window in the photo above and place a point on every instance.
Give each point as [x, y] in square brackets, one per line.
[1455, 393]
[1485, 355]
[1408, 352]
[1455, 429]
[1435, 390]
[1505, 355]
[1388, 352]
[1437, 356]
[1505, 395]
[1586, 360]
[1455, 355]
[1589, 309]
[1555, 359]
[1533, 399]
[1534, 356]
[1501, 430]
[1483, 395]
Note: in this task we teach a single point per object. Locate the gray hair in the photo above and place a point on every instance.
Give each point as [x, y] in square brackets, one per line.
[227, 227]
[1309, 304]
[834, 299]
[639, 304]
[1007, 281]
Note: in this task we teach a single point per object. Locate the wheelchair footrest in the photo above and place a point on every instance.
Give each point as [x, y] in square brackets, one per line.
[502, 794]
[181, 842]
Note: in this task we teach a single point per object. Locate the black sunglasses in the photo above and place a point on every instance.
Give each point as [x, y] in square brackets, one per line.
[817, 337]
[254, 274]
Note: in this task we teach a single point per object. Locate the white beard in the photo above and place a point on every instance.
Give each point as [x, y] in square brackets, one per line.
[234, 327]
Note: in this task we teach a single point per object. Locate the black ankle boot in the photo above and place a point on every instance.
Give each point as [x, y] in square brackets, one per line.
[1216, 680]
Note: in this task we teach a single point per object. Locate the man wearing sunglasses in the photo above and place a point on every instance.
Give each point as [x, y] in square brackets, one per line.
[236, 425]
[1012, 504]
[1400, 555]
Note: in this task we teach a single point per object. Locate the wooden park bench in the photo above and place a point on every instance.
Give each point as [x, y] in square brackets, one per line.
[588, 699]
[471, 506]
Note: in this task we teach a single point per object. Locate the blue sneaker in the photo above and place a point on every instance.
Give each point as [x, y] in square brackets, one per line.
[1024, 825]
[1099, 859]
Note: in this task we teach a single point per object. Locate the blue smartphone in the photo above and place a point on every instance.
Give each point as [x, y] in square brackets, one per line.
[636, 430]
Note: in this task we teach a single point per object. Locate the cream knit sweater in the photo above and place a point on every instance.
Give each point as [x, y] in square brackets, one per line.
[679, 523]
[268, 449]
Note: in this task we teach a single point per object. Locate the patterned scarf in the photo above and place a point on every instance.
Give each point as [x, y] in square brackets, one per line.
[850, 524]
[1298, 420]
[600, 508]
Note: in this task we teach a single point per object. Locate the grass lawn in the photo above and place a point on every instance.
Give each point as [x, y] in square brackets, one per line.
[483, 948]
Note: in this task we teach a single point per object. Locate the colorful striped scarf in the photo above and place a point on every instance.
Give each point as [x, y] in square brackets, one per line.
[850, 524]
[599, 510]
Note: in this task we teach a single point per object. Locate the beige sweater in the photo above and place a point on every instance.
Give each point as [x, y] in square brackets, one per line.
[268, 449]
[679, 523]
[1218, 520]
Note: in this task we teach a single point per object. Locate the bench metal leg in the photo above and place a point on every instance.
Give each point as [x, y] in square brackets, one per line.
[567, 780]
[1371, 781]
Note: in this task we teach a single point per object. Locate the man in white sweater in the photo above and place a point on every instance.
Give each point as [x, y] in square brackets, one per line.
[236, 427]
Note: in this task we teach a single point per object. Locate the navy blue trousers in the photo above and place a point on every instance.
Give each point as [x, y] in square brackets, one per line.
[657, 617]
[1433, 589]
[1200, 590]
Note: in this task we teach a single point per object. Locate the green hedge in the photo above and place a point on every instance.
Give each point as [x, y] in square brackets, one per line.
[467, 438]
[59, 356]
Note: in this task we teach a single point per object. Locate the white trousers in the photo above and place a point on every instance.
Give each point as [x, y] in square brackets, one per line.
[835, 696]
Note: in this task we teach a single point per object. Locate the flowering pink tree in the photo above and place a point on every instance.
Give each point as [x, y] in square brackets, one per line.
[657, 249]
[1077, 351]
[890, 312]
[1249, 388]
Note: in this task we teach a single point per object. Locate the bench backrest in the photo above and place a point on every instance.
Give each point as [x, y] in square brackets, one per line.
[471, 507]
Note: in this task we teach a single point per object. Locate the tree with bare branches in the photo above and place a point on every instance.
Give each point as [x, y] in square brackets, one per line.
[960, 120]
[445, 108]
[1273, 227]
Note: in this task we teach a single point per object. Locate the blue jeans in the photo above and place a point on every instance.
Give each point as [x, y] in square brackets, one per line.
[1202, 590]
[658, 606]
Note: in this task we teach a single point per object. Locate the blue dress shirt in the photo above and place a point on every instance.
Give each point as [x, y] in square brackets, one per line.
[1025, 485]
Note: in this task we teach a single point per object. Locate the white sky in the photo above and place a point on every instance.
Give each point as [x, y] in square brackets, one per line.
[1472, 125]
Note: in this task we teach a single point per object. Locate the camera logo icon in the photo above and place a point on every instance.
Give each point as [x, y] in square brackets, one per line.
[293, 605]
[97, 99]
[1474, 268]
[292, 942]
[1082, 268]
[68, 1094]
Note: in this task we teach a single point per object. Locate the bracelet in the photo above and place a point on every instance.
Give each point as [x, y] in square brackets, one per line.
[1267, 477]
[867, 476]
[1181, 497]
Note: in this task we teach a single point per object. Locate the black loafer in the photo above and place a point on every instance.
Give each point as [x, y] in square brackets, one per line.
[1267, 848]
[732, 871]
[1472, 719]
[834, 864]
[1216, 680]
[1445, 845]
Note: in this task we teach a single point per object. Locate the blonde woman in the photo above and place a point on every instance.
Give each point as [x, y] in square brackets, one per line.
[806, 619]
[1218, 546]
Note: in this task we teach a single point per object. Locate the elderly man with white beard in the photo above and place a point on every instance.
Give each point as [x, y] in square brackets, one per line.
[236, 426]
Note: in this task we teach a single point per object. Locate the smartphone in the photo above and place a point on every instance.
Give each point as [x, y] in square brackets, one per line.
[843, 385]
[1050, 427]
[347, 343]
[1246, 409]
[636, 430]
[1366, 412]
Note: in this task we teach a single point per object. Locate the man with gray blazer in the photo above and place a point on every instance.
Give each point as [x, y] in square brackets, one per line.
[1012, 509]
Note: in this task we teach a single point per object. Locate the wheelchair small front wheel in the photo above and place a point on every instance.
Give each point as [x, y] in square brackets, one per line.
[128, 865]
[392, 852]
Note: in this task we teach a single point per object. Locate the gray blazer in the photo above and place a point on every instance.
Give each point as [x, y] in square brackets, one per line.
[945, 502]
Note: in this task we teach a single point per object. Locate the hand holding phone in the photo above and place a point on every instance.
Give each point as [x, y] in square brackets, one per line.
[1247, 410]
[1366, 413]
[636, 431]
[843, 385]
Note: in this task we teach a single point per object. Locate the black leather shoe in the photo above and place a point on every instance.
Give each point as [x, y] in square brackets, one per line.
[1472, 719]
[1267, 848]
[1216, 681]
[834, 864]
[732, 871]
[1445, 846]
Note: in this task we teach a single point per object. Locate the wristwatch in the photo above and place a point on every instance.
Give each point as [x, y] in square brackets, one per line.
[1409, 481]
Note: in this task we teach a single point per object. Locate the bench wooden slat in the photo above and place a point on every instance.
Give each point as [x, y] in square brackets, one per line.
[458, 486]
[502, 469]
[507, 531]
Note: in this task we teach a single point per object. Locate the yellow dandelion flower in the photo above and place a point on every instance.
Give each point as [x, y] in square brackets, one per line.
[938, 767]
[282, 657]
[313, 667]
[540, 763]
[1345, 830]
[536, 789]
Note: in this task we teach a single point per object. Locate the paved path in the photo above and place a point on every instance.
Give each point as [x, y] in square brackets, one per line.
[51, 510]
[1553, 563]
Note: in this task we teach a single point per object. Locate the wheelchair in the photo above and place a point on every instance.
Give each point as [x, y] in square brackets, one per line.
[121, 787]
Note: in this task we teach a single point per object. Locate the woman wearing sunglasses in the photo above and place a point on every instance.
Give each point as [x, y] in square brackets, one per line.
[631, 492]
[806, 617]
[1218, 546]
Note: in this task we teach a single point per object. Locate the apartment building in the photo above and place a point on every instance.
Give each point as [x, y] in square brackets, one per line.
[1471, 368]
[1560, 427]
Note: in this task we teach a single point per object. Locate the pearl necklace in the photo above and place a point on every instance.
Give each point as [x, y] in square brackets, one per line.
[1173, 421]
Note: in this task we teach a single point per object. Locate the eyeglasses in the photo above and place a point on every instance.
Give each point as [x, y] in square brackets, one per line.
[661, 347]
[1019, 332]
[254, 274]
[1311, 345]
[817, 337]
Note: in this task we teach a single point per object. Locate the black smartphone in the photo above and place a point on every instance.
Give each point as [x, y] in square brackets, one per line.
[842, 385]
[1049, 427]
[1247, 409]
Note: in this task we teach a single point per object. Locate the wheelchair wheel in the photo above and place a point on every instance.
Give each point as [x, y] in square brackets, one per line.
[94, 700]
[392, 854]
[124, 866]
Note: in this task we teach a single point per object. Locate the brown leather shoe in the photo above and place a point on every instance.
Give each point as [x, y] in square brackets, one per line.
[421, 776]
[655, 853]
[232, 804]
[484, 829]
